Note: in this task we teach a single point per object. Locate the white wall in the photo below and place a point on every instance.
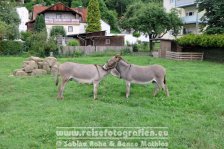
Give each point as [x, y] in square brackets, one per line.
[105, 27]
[168, 4]
[24, 17]
[76, 29]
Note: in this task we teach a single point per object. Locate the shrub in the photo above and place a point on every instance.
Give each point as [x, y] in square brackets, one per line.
[205, 40]
[135, 48]
[73, 42]
[136, 34]
[126, 51]
[10, 47]
[25, 35]
[78, 53]
[38, 44]
[57, 31]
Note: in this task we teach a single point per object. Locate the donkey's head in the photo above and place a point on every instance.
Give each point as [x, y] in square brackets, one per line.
[112, 63]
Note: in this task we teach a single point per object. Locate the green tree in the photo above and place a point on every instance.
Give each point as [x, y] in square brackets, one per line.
[109, 16]
[9, 16]
[119, 6]
[39, 24]
[175, 23]
[3, 29]
[213, 17]
[57, 30]
[93, 17]
[150, 19]
[77, 3]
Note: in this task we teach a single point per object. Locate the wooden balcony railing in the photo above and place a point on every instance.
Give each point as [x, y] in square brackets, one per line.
[62, 21]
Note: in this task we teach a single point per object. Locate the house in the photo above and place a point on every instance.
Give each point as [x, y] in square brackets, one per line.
[188, 11]
[72, 19]
[98, 39]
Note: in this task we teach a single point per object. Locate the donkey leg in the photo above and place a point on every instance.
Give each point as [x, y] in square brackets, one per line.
[128, 85]
[156, 89]
[164, 87]
[95, 89]
[61, 88]
[166, 90]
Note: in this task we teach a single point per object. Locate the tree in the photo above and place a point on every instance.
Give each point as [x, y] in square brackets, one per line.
[150, 19]
[40, 23]
[77, 3]
[118, 5]
[109, 16]
[213, 16]
[93, 16]
[57, 30]
[3, 29]
[11, 19]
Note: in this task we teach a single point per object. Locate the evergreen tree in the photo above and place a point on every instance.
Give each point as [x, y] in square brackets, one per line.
[40, 23]
[93, 17]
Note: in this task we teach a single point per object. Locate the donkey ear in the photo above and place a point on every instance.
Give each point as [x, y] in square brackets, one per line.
[118, 56]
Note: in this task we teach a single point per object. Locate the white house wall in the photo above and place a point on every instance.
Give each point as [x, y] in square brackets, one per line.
[67, 19]
[105, 27]
[24, 17]
[76, 29]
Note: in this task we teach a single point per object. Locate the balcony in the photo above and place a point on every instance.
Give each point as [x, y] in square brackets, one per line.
[61, 21]
[184, 3]
[192, 19]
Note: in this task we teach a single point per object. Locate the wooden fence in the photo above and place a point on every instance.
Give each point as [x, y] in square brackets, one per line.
[184, 55]
[67, 50]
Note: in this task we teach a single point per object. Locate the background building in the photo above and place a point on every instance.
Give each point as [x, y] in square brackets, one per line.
[189, 14]
[72, 19]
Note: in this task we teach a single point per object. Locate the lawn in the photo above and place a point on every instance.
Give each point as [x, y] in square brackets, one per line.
[194, 112]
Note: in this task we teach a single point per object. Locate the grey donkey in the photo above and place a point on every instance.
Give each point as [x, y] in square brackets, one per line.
[138, 74]
[82, 73]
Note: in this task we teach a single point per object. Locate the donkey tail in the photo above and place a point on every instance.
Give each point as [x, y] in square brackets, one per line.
[164, 81]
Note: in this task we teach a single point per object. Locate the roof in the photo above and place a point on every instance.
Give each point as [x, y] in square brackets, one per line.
[89, 33]
[83, 11]
[38, 9]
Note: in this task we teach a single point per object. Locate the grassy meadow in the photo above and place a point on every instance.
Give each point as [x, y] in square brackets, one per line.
[194, 112]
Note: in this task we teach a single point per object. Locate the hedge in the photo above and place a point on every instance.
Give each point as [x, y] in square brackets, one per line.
[73, 42]
[10, 47]
[206, 41]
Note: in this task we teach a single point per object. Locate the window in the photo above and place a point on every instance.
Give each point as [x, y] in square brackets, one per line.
[190, 13]
[171, 1]
[107, 41]
[70, 28]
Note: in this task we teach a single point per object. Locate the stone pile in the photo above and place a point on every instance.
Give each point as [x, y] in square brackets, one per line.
[35, 66]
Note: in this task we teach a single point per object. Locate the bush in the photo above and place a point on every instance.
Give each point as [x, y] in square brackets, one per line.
[10, 47]
[25, 35]
[78, 53]
[57, 31]
[126, 51]
[38, 44]
[205, 40]
[73, 42]
[135, 48]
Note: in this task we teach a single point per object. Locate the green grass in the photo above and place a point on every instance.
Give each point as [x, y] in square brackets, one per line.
[194, 112]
